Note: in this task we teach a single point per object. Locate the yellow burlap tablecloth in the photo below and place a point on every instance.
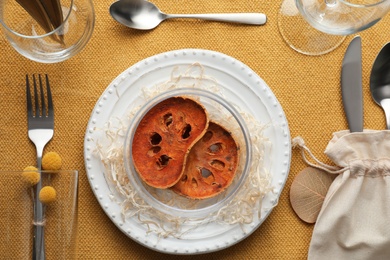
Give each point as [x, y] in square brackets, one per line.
[308, 89]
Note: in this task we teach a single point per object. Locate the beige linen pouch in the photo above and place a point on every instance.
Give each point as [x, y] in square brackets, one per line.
[354, 221]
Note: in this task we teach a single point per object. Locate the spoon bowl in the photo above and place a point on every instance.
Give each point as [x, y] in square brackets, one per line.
[380, 81]
[136, 14]
[144, 15]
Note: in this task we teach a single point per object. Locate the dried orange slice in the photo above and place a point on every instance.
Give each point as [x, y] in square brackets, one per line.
[164, 138]
[211, 165]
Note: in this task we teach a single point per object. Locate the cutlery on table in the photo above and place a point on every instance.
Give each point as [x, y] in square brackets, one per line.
[351, 85]
[40, 132]
[144, 15]
[47, 13]
[380, 81]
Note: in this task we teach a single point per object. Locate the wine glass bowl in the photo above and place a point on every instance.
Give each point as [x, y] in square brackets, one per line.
[316, 27]
[342, 17]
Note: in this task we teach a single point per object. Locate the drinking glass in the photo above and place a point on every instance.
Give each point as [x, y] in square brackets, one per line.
[66, 35]
[316, 27]
[17, 215]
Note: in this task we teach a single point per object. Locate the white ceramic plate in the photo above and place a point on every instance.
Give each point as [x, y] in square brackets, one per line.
[240, 85]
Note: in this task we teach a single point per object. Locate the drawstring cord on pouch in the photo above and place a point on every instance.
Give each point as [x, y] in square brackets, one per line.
[298, 142]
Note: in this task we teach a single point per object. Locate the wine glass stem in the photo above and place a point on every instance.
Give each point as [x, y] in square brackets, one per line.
[330, 2]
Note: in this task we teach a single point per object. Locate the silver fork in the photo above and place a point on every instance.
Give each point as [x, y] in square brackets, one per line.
[40, 131]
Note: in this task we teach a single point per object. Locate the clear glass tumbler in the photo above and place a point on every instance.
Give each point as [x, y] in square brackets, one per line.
[60, 196]
[47, 38]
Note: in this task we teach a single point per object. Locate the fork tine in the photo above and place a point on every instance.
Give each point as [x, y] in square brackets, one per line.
[43, 105]
[37, 110]
[49, 98]
[28, 95]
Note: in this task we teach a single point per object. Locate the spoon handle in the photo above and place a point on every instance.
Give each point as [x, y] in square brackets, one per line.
[246, 18]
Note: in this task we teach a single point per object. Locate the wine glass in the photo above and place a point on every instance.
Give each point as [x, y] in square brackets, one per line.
[316, 27]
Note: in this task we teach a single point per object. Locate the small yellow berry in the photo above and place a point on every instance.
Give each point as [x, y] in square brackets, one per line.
[51, 161]
[47, 194]
[31, 175]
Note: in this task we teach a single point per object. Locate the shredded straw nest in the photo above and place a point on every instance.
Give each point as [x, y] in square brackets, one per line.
[244, 208]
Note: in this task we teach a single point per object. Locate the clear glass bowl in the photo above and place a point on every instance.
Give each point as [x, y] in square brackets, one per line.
[167, 201]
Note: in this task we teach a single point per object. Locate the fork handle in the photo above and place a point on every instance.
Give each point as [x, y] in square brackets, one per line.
[39, 238]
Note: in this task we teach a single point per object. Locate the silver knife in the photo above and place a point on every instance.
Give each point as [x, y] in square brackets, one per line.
[351, 85]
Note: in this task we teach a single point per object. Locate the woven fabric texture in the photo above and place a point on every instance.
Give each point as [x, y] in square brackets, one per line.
[308, 88]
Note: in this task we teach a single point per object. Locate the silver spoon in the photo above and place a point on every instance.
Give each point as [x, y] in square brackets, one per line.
[380, 81]
[144, 15]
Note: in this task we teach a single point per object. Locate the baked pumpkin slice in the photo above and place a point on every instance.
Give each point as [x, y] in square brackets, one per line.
[164, 137]
[211, 165]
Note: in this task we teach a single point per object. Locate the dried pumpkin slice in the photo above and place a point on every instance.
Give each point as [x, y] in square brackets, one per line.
[164, 138]
[211, 165]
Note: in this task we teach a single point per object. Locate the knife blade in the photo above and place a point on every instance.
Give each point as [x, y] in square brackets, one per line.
[351, 85]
